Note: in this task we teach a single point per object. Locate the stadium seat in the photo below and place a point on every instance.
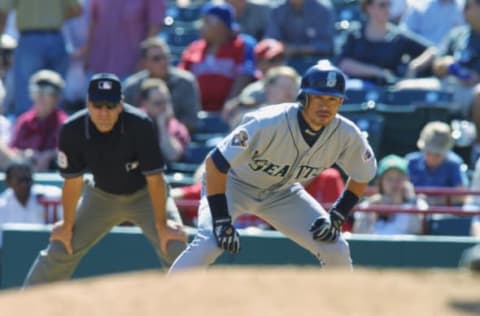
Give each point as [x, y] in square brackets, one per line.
[181, 36]
[356, 96]
[188, 13]
[212, 123]
[419, 97]
[368, 121]
[449, 225]
[402, 126]
[195, 153]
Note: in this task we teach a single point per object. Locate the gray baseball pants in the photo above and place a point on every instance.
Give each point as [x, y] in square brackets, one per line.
[291, 212]
[97, 213]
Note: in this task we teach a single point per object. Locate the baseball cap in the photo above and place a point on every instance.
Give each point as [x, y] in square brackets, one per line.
[223, 11]
[104, 87]
[269, 48]
[392, 162]
[435, 138]
[46, 80]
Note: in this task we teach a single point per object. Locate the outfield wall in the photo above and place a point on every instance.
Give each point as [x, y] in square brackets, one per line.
[125, 249]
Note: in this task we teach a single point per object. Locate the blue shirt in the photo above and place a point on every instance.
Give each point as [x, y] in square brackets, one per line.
[447, 174]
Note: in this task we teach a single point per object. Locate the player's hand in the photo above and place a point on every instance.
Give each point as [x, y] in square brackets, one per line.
[170, 231]
[328, 228]
[226, 234]
[63, 234]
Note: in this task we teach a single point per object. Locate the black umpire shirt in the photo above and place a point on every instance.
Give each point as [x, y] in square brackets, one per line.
[119, 159]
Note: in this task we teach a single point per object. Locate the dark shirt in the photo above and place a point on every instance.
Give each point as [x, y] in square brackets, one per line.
[464, 45]
[393, 53]
[313, 25]
[119, 159]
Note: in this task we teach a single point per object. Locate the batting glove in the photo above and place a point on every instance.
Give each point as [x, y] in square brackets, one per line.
[328, 228]
[226, 234]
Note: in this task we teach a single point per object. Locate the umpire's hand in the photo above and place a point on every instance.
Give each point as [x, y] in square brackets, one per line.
[170, 231]
[63, 234]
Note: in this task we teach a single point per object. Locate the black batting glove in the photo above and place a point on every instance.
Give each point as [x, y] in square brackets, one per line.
[226, 234]
[328, 228]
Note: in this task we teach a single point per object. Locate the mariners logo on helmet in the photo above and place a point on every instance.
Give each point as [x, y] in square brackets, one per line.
[322, 79]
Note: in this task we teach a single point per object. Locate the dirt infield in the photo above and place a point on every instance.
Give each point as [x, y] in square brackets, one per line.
[249, 291]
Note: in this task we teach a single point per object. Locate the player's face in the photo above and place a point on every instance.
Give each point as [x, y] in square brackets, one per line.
[321, 110]
[104, 117]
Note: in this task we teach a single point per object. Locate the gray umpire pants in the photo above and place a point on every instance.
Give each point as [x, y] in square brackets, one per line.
[97, 213]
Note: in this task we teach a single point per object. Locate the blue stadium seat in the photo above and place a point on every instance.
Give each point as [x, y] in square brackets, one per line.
[368, 121]
[212, 123]
[356, 96]
[449, 225]
[420, 97]
[195, 153]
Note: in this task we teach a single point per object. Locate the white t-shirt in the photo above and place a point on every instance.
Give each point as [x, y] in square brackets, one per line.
[11, 211]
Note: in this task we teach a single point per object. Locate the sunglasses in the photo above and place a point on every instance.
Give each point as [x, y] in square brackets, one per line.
[107, 105]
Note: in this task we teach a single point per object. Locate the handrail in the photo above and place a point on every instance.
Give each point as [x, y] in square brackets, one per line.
[434, 191]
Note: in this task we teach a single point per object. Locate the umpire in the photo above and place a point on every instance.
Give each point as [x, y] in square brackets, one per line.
[117, 144]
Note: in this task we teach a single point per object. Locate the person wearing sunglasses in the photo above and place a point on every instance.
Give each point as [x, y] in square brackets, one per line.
[21, 200]
[117, 144]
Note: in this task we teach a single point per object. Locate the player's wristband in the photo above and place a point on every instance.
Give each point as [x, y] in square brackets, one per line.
[345, 202]
[218, 206]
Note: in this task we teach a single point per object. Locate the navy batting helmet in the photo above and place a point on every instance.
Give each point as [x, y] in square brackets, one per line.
[322, 79]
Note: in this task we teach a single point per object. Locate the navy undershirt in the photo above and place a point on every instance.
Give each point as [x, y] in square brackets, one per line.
[310, 136]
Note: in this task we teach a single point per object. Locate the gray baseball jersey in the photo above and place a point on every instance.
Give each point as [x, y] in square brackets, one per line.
[268, 159]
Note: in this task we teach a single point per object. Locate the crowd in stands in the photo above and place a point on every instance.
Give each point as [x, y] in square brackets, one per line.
[180, 60]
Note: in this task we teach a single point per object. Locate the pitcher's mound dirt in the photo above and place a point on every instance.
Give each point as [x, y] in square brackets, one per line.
[255, 291]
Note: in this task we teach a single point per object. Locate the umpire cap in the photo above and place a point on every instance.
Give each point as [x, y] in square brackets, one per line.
[104, 87]
[322, 79]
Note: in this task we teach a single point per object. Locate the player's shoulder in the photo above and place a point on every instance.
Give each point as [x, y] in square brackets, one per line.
[347, 125]
[275, 112]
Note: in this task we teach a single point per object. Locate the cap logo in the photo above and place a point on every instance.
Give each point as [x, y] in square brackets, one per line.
[331, 79]
[105, 85]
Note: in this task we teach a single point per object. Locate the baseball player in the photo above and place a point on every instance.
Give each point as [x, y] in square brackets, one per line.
[258, 169]
[117, 144]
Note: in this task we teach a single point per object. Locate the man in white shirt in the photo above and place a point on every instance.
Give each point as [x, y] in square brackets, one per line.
[22, 201]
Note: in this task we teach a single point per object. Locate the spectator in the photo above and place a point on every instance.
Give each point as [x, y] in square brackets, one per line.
[269, 53]
[76, 35]
[433, 19]
[182, 84]
[21, 202]
[35, 134]
[473, 202]
[41, 44]
[8, 45]
[117, 27]
[173, 136]
[436, 165]
[221, 60]
[305, 27]
[6, 153]
[252, 17]
[280, 85]
[458, 66]
[394, 188]
[376, 51]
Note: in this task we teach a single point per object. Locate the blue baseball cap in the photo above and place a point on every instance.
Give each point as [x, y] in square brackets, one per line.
[104, 87]
[224, 12]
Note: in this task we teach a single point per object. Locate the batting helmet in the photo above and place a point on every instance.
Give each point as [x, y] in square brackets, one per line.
[322, 79]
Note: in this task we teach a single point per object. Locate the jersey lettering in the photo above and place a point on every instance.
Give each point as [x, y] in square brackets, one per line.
[272, 169]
